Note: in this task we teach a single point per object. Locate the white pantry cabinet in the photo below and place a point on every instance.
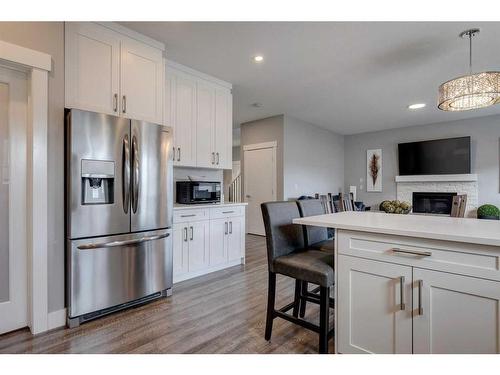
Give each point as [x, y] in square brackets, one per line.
[399, 294]
[199, 108]
[108, 71]
[207, 239]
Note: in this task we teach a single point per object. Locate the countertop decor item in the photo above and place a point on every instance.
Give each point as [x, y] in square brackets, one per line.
[395, 207]
[488, 211]
[472, 91]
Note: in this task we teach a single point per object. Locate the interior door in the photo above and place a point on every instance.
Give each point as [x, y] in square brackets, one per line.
[371, 317]
[457, 314]
[152, 176]
[205, 125]
[92, 68]
[141, 82]
[218, 241]
[259, 178]
[13, 247]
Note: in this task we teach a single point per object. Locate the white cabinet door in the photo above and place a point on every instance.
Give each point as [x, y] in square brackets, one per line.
[205, 125]
[141, 81]
[218, 241]
[235, 239]
[92, 55]
[371, 318]
[198, 237]
[184, 118]
[458, 314]
[180, 249]
[223, 128]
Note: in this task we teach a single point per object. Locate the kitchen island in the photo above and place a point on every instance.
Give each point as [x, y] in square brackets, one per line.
[414, 284]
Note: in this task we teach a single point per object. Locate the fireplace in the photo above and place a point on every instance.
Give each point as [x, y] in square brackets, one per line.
[433, 203]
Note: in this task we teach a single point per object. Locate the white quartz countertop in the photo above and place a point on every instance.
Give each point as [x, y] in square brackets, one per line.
[484, 232]
[178, 206]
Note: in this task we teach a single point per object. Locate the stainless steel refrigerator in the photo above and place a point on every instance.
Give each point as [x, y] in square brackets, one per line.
[118, 213]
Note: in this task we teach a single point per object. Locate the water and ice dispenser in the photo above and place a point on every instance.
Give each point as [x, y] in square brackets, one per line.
[98, 177]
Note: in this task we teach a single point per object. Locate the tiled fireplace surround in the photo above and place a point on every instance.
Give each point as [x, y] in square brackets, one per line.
[461, 184]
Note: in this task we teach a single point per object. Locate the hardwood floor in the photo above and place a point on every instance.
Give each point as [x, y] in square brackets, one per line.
[223, 312]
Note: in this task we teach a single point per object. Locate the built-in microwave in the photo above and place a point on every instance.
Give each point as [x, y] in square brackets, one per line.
[192, 192]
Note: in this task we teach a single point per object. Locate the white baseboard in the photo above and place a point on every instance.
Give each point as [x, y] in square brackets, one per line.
[56, 319]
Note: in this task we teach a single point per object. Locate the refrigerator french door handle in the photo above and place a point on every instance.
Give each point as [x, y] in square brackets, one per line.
[135, 174]
[126, 174]
[100, 245]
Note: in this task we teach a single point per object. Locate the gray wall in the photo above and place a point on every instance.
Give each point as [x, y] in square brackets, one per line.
[266, 130]
[48, 37]
[484, 132]
[236, 153]
[313, 159]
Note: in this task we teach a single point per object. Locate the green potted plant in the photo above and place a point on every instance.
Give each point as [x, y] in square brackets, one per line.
[488, 211]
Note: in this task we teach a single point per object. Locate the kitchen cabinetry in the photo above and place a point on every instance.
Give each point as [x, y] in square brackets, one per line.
[113, 73]
[199, 108]
[207, 239]
[399, 294]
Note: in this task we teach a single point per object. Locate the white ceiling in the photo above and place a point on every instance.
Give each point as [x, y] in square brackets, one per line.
[349, 77]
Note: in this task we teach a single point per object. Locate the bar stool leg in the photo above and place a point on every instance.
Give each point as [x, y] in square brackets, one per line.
[271, 294]
[303, 301]
[296, 299]
[324, 295]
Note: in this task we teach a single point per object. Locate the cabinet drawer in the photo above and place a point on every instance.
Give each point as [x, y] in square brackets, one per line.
[231, 211]
[474, 260]
[182, 216]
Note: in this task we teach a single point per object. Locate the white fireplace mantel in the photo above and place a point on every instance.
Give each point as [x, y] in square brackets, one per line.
[438, 178]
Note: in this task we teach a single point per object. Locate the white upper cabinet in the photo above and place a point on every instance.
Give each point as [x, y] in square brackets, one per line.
[199, 108]
[141, 81]
[92, 68]
[110, 72]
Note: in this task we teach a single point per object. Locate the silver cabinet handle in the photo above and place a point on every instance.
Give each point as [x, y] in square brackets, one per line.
[100, 245]
[217, 158]
[402, 304]
[230, 227]
[225, 231]
[412, 252]
[213, 157]
[420, 287]
[135, 174]
[115, 103]
[185, 234]
[173, 157]
[178, 154]
[192, 234]
[191, 215]
[227, 212]
[124, 104]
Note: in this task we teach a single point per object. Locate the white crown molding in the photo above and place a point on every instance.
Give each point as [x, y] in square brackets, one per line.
[133, 34]
[438, 178]
[196, 73]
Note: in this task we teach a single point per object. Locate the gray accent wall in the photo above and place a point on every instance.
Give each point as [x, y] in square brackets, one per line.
[48, 37]
[484, 132]
[313, 159]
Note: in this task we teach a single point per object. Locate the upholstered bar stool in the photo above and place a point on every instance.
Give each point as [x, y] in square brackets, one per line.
[287, 255]
[314, 238]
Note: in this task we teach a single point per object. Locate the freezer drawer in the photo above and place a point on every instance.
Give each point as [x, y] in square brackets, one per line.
[107, 271]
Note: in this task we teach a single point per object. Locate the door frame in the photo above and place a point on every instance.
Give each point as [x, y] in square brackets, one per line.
[258, 146]
[37, 65]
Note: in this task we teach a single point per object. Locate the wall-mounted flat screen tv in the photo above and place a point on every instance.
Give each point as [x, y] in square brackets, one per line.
[439, 156]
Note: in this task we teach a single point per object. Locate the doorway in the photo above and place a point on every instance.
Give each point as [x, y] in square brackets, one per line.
[13, 170]
[259, 179]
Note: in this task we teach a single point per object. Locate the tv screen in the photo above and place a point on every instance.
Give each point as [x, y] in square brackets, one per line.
[440, 156]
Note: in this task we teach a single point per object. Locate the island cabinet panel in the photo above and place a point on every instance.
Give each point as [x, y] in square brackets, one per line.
[374, 310]
[457, 314]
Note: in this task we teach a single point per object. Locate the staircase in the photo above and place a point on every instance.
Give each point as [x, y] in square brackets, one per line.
[235, 190]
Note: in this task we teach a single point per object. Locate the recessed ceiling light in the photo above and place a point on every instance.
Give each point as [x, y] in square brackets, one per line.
[416, 106]
[258, 58]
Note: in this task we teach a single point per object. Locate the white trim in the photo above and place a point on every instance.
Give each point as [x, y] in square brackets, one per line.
[56, 319]
[191, 275]
[256, 146]
[38, 65]
[25, 56]
[438, 178]
[198, 74]
[132, 34]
